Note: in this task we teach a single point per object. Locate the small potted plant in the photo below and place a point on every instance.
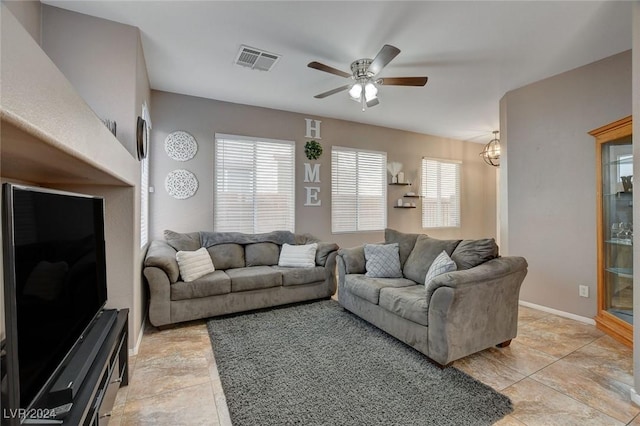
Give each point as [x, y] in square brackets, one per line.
[313, 150]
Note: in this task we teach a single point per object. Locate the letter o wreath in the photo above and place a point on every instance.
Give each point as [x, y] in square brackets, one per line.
[181, 184]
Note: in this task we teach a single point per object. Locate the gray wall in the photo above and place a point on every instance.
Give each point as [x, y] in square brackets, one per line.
[550, 207]
[105, 63]
[28, 13]
[99, 59]
[203, 118]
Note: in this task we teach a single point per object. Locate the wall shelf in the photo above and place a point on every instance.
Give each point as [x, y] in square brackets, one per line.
[400, 183]
[404, 207]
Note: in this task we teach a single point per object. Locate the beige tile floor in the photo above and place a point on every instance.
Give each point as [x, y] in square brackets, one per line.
[556, 372]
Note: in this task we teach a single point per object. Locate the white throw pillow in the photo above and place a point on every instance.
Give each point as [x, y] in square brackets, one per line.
[298, 256]
[440, 265]
[194, 264]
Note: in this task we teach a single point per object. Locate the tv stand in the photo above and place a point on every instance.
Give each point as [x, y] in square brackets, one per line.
[90, 402]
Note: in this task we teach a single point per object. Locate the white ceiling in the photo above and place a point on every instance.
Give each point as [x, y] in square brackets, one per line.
[473, 52]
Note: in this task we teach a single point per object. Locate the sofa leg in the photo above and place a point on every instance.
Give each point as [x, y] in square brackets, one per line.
[504, 344]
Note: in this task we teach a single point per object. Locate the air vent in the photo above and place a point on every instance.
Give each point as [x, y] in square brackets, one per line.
[256, 59]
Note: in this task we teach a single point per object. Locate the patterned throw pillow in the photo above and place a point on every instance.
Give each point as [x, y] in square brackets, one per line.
[194, 264]
[440, 265]
[383, 260]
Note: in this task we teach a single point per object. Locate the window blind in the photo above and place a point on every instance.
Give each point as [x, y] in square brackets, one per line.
[254, 184]
[440, 193]
[144, 184]
[144, 202]
[358, 190]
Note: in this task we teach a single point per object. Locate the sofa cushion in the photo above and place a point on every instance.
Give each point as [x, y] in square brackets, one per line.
[194, 264]
[211, 284]
[406, 242]
[369, 288]
[298, 256]
[408, 302]
[354, 262]
[471, 253]
[262, 254]
[297, 276]
[184, 242]
[382, 261]
[227, 256]
[254, 278]
[440, 265]
[423, 255]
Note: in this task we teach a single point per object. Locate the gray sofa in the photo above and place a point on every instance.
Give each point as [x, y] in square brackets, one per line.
[457, 314]
[246, 275]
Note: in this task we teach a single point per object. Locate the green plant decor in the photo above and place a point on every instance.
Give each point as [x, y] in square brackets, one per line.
[313, 150]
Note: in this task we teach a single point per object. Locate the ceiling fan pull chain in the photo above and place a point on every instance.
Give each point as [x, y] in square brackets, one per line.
[363, 101]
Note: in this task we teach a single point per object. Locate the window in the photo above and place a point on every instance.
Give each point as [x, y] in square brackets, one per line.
[440, 193]
[358, 190]
[254, 185]
[144, 185]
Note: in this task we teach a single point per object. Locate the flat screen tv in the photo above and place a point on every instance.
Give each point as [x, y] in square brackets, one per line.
[54, 285]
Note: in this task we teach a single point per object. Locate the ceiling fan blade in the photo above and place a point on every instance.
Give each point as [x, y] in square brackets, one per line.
[403, 81]
[332, 92]
[373, 102]
[326, 68]
[386, 54]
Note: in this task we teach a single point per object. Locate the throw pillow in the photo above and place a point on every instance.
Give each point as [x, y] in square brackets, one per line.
[440, 265]
[382, 260]
[194, 264]
[298, 256]
[471, 253]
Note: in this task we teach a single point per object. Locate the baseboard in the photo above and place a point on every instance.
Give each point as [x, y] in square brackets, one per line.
[635, 397]
[134, 351]
[564, 314]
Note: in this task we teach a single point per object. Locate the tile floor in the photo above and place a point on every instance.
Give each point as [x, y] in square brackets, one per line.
[557, 372]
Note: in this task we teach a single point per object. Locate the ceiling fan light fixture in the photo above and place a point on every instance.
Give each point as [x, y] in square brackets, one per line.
[356, 91]
[370, 91]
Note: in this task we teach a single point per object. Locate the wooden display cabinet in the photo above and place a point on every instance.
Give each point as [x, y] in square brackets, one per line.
[614, 171]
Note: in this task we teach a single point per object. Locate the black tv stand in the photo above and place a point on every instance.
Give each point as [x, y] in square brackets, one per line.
[96, 372]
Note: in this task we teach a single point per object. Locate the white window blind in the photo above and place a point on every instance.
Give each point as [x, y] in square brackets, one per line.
[144, 202]
[358, 190]
[144, 185]
[254, 184]
[440, 193]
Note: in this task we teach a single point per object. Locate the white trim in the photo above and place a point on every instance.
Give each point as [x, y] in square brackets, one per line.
[134, 351]
[564, 314]
[635, 398]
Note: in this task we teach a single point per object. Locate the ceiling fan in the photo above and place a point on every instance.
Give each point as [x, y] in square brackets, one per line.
[364, 72]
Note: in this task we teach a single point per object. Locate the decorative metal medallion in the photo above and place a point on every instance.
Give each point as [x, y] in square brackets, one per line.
[181, 184]
[180, 146]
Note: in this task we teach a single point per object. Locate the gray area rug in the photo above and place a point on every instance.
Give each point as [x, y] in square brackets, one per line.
[317, 364]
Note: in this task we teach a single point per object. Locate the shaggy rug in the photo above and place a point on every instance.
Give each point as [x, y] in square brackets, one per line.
[317, 364]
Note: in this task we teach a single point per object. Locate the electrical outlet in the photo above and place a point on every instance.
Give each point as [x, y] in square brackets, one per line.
[584, 290]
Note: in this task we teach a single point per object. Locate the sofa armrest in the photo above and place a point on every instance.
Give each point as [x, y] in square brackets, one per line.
[330, 271]
[162, 255]
[324, 250]
[159, 296]
[474, 309]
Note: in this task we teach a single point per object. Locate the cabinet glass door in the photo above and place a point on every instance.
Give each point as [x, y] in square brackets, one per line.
[617, 211]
